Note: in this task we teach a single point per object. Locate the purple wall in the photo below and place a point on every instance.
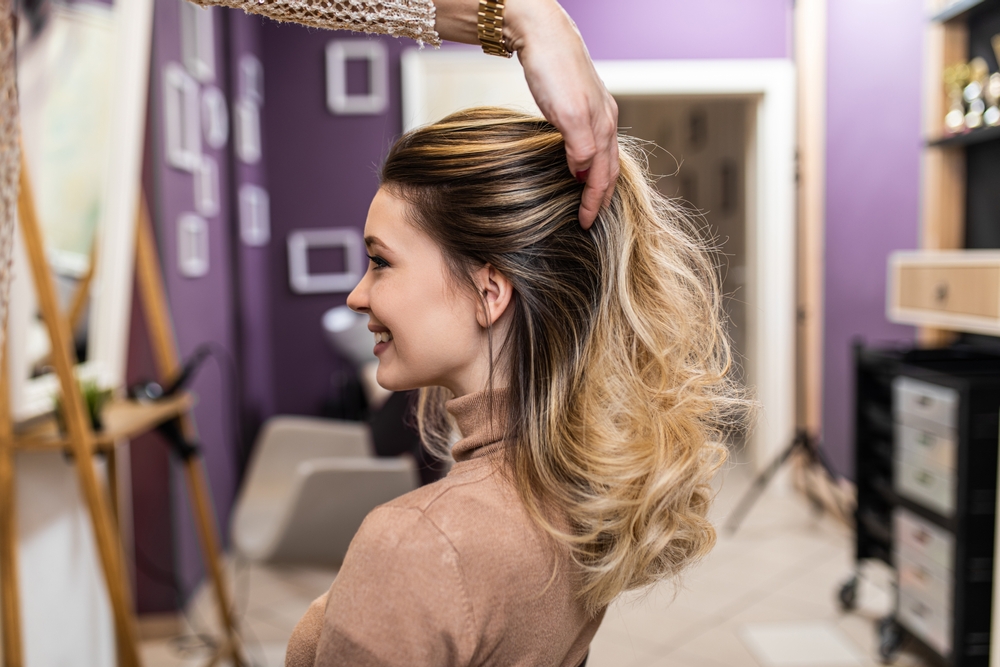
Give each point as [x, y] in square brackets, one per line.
[682, 29]
[323, 173]
[254, 262]
[873, 180]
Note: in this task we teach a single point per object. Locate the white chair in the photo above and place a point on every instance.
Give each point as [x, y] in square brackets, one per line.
[309, 485]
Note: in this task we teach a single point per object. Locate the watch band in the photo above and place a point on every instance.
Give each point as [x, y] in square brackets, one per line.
[490, 28]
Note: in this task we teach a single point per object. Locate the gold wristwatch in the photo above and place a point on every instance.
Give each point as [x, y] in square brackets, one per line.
[490, 25]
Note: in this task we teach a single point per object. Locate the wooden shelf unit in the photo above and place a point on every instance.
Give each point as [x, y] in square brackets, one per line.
[957, 206]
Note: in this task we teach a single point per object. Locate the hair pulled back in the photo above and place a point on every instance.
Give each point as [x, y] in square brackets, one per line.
[619, 364]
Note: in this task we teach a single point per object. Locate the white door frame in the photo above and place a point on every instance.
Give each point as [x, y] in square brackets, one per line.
[770, 83]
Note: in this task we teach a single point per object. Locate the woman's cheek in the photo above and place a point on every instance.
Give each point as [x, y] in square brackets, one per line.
[380, 302]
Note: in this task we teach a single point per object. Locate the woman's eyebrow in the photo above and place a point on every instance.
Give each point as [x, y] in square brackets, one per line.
[374, 240]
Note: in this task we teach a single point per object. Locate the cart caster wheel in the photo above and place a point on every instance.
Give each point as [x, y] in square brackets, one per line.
[848, 595]
[890, 639]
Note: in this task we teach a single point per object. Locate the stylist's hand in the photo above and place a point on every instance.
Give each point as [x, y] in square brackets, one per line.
[562, 79]
[572, 97]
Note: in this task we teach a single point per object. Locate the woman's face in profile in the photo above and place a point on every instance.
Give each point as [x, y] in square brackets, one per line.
[424, 324]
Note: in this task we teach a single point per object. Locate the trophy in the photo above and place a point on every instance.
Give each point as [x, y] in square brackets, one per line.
[992, 114]
[973, 94]
[979, 73]
[956, 78]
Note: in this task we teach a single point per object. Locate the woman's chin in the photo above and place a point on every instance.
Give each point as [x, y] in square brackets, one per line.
[389, 381]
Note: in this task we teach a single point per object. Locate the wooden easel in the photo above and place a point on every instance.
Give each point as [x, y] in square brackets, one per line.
[123, 419]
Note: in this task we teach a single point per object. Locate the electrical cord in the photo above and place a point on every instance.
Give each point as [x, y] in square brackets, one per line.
[199, 640]
[194, 643]
[242, 567]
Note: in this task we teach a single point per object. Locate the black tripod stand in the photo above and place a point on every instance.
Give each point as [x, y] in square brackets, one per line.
[803, 442]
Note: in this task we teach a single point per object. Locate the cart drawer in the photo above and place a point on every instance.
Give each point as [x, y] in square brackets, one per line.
[926, 406]
[931, 624]
[922, 541]
[929, 488]
[926, 450]
[930, 584]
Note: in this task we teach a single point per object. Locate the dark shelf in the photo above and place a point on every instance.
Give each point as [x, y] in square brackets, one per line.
[968, 138]
[955, 10]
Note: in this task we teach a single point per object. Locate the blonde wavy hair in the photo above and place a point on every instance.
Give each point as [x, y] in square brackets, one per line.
[621, 384]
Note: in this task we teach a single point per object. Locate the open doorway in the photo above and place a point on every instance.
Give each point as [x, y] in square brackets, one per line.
[700, 151]
[751, 106]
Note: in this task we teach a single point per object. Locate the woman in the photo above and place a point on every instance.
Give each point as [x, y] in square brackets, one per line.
[588, 376]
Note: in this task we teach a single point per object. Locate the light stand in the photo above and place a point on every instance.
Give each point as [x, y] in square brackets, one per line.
[809, 447]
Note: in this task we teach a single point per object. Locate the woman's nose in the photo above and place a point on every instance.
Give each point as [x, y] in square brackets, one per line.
[357, 300]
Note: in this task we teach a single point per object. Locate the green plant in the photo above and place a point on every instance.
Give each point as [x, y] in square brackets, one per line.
[94, 398]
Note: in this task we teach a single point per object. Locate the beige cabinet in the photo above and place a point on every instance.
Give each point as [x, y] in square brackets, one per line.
[958, 290]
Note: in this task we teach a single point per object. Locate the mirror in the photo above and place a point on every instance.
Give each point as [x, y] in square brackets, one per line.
[82, 111]
[64, 76]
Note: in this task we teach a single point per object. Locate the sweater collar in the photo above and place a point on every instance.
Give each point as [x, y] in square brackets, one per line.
[481, 418]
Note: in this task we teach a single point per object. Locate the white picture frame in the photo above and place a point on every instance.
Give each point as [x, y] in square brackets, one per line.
[198, 40]
[192, 245]
[214, 117]
[255, 215]
[181, 118]
[206, 187]
[251, 81]
[247, 128]
[338, 100]
[304, 281]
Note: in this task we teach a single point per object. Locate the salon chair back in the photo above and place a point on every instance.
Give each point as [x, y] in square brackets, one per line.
[309, 485]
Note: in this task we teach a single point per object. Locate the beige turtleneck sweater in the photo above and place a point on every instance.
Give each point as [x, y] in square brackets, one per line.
[454, 573]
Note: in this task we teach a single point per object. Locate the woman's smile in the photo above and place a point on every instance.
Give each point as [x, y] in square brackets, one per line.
[382, 340]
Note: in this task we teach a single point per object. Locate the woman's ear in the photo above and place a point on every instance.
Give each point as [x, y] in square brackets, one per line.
[495, 293]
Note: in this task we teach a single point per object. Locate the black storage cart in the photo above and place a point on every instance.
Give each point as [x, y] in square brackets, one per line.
[926, 434]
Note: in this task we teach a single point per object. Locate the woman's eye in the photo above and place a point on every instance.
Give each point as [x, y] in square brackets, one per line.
[378, 261]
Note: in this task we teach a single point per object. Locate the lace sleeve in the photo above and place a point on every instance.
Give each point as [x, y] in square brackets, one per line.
[400, 18]
[10, 153]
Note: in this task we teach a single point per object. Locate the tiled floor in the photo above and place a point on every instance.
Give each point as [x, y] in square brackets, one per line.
[779, 573]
